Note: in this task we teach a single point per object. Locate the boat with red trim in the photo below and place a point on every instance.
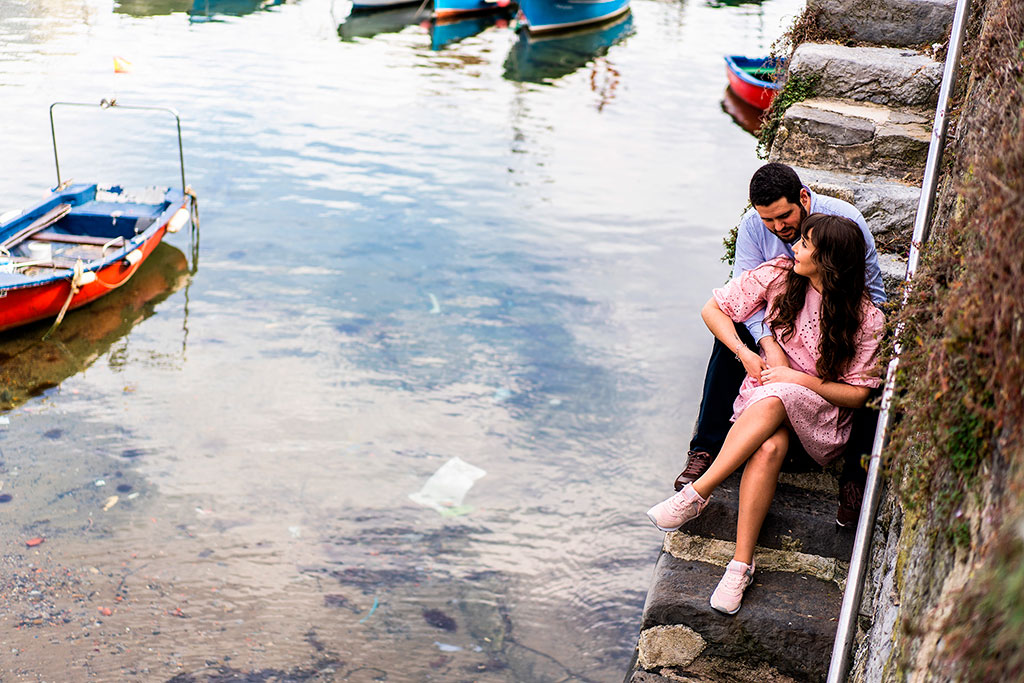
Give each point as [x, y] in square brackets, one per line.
[82, 241]
[756, 80]
[538, 16]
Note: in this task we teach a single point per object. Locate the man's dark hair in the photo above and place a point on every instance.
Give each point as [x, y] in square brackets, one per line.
[772, 182]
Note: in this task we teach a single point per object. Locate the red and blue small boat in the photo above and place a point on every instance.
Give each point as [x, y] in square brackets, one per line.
[755, 80]
[538, 16]
[82, 241]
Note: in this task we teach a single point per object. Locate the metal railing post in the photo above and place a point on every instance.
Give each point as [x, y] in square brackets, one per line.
[846, 629]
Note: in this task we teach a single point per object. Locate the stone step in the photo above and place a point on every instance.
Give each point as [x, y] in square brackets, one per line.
[787, 621]
[889, 207]
[708, 670]
[894, 274]
[883, 75]
[855, 137]
[799, 520]
[897, 23]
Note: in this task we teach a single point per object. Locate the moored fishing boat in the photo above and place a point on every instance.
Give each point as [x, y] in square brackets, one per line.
[81, 242]
[445, 9]
[753, 79]
[556, 15]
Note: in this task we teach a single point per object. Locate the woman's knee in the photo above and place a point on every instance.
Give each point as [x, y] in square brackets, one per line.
[770, 454]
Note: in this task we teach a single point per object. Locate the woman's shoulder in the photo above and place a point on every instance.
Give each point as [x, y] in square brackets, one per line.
[772, 270]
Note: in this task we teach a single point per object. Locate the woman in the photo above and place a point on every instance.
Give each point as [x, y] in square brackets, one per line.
[819, 313]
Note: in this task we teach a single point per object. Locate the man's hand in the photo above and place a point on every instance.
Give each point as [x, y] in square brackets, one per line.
[752, 363]
[775, 355]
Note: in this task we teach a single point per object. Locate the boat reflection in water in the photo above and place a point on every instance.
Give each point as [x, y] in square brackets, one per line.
[210, 10]
[198, 10]
[450, 31]
[746, 115]
[543, 58]
[29, 365]
[366, 23]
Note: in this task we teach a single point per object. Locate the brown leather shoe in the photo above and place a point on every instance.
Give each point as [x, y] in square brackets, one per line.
[698, 464]
[851, 494]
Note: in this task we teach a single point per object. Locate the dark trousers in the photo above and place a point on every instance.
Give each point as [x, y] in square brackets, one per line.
[721, 386]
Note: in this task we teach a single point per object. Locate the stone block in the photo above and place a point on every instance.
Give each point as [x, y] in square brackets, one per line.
[713, 551]
[854, 137]
[799, 519]
[894, 273]
[895, 23]
[883, 75]
[889, 207]
[669, 646]
[787, 620]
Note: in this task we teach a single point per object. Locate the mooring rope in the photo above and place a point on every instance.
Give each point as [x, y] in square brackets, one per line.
[76, 281]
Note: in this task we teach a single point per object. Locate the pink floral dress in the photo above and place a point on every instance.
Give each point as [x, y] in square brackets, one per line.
[823, 428]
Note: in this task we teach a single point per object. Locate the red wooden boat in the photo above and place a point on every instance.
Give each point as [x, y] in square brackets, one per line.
[81, 242]
[755, 79]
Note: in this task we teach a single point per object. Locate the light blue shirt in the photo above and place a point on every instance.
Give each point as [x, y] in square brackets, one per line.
[755, 244]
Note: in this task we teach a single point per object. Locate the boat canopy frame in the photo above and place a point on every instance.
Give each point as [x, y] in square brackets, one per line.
[110, 104]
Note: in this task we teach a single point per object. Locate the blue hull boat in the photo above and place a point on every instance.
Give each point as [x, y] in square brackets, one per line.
[556, 15]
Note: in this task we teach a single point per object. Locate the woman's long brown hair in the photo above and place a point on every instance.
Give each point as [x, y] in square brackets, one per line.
[839, 255]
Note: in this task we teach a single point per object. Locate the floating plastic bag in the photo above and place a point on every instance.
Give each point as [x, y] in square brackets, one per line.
[446, 487]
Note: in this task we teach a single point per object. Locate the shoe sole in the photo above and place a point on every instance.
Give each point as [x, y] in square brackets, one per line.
[719, 609]
[665, 529]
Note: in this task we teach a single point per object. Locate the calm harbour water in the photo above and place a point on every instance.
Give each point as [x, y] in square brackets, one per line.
[411, 250]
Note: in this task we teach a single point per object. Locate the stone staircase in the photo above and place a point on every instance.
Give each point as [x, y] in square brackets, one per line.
[864, 138]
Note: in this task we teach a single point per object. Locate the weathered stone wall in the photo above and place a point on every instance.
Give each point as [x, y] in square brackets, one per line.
[943, 590]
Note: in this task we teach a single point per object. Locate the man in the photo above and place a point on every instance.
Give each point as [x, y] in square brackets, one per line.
[780, 203]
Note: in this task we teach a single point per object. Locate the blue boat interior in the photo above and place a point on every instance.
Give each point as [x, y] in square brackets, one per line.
[761, 71]
[80, 223]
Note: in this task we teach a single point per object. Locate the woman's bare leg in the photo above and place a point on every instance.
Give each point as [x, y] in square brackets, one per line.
[757, 423]
[757, 489]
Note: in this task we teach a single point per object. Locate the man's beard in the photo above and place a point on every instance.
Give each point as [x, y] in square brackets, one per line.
[803, 217]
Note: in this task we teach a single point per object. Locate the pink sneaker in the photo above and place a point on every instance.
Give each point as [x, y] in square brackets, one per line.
[729, 594]
[672, 513]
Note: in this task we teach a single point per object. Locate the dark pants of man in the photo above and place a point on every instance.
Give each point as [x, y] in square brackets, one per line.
[722, 382]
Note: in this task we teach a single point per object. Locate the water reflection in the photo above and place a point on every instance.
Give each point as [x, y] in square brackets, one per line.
[29, 366]
[198, 10]
[545, 58]
[448, 32]
[746, 115]
[209, 10]
[152, 8]
[368, 23]
[731, 3]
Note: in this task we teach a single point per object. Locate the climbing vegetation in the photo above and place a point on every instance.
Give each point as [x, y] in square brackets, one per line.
[805, 28]
[957, 445]
[796, 89]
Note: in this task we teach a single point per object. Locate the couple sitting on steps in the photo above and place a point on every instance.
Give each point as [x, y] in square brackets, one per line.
[796, 341]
